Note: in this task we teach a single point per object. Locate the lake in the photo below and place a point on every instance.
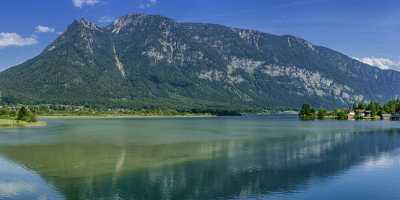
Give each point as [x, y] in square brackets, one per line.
[270, 157]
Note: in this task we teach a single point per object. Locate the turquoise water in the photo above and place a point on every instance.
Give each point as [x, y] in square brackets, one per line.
[272, 158]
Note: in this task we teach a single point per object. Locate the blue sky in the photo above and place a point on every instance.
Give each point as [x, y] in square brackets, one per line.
[359, 28]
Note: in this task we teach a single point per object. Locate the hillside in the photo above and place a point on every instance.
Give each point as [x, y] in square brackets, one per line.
[145, 61]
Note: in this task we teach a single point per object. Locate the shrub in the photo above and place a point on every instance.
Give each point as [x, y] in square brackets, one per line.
[322, 113]
[24, 114]
[341, 114]
[307, 112]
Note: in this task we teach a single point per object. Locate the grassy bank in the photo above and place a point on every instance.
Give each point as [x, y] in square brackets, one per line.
[10, 123]
[119, 116]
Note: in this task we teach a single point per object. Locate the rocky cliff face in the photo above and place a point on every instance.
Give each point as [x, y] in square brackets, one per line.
[149, 60]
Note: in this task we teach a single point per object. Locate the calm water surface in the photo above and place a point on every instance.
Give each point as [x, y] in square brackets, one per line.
[271, 158]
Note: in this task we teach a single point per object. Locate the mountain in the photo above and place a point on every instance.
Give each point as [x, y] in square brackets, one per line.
[145, 61]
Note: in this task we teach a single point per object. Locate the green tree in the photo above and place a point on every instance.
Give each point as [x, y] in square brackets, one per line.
[307, 112]
[392, 106]
[341, 114]
[358, 116]
[4, 112]
[322, 113]
[375, 108]
[360, 105]
[24, 114]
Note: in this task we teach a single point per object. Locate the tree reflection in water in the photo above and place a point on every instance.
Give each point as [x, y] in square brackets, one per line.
[229, 169]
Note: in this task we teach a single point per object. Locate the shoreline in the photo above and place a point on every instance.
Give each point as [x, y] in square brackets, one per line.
[122, 116]
[10, 123]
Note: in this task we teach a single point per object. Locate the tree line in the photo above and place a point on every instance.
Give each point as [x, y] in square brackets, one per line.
[373, 108]
[20, 114]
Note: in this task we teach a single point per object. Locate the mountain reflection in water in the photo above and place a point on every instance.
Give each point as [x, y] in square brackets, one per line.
[247, 166]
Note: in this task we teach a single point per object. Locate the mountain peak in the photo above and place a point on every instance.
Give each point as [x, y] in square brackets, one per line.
[84, 23]
[83, 20]
[145, 59]
[134, 19]
[88, 24]
[135, 15]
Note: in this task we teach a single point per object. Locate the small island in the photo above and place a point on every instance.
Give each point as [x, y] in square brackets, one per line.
[19, 118]
[359, 111]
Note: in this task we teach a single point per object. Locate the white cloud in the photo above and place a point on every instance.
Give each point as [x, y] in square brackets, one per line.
[13, 39]
[81, 3]
[148, 4]
[44, 29]
[381, 63]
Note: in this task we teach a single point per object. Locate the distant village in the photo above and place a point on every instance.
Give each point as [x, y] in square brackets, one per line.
[368, 115]
[359, 111]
